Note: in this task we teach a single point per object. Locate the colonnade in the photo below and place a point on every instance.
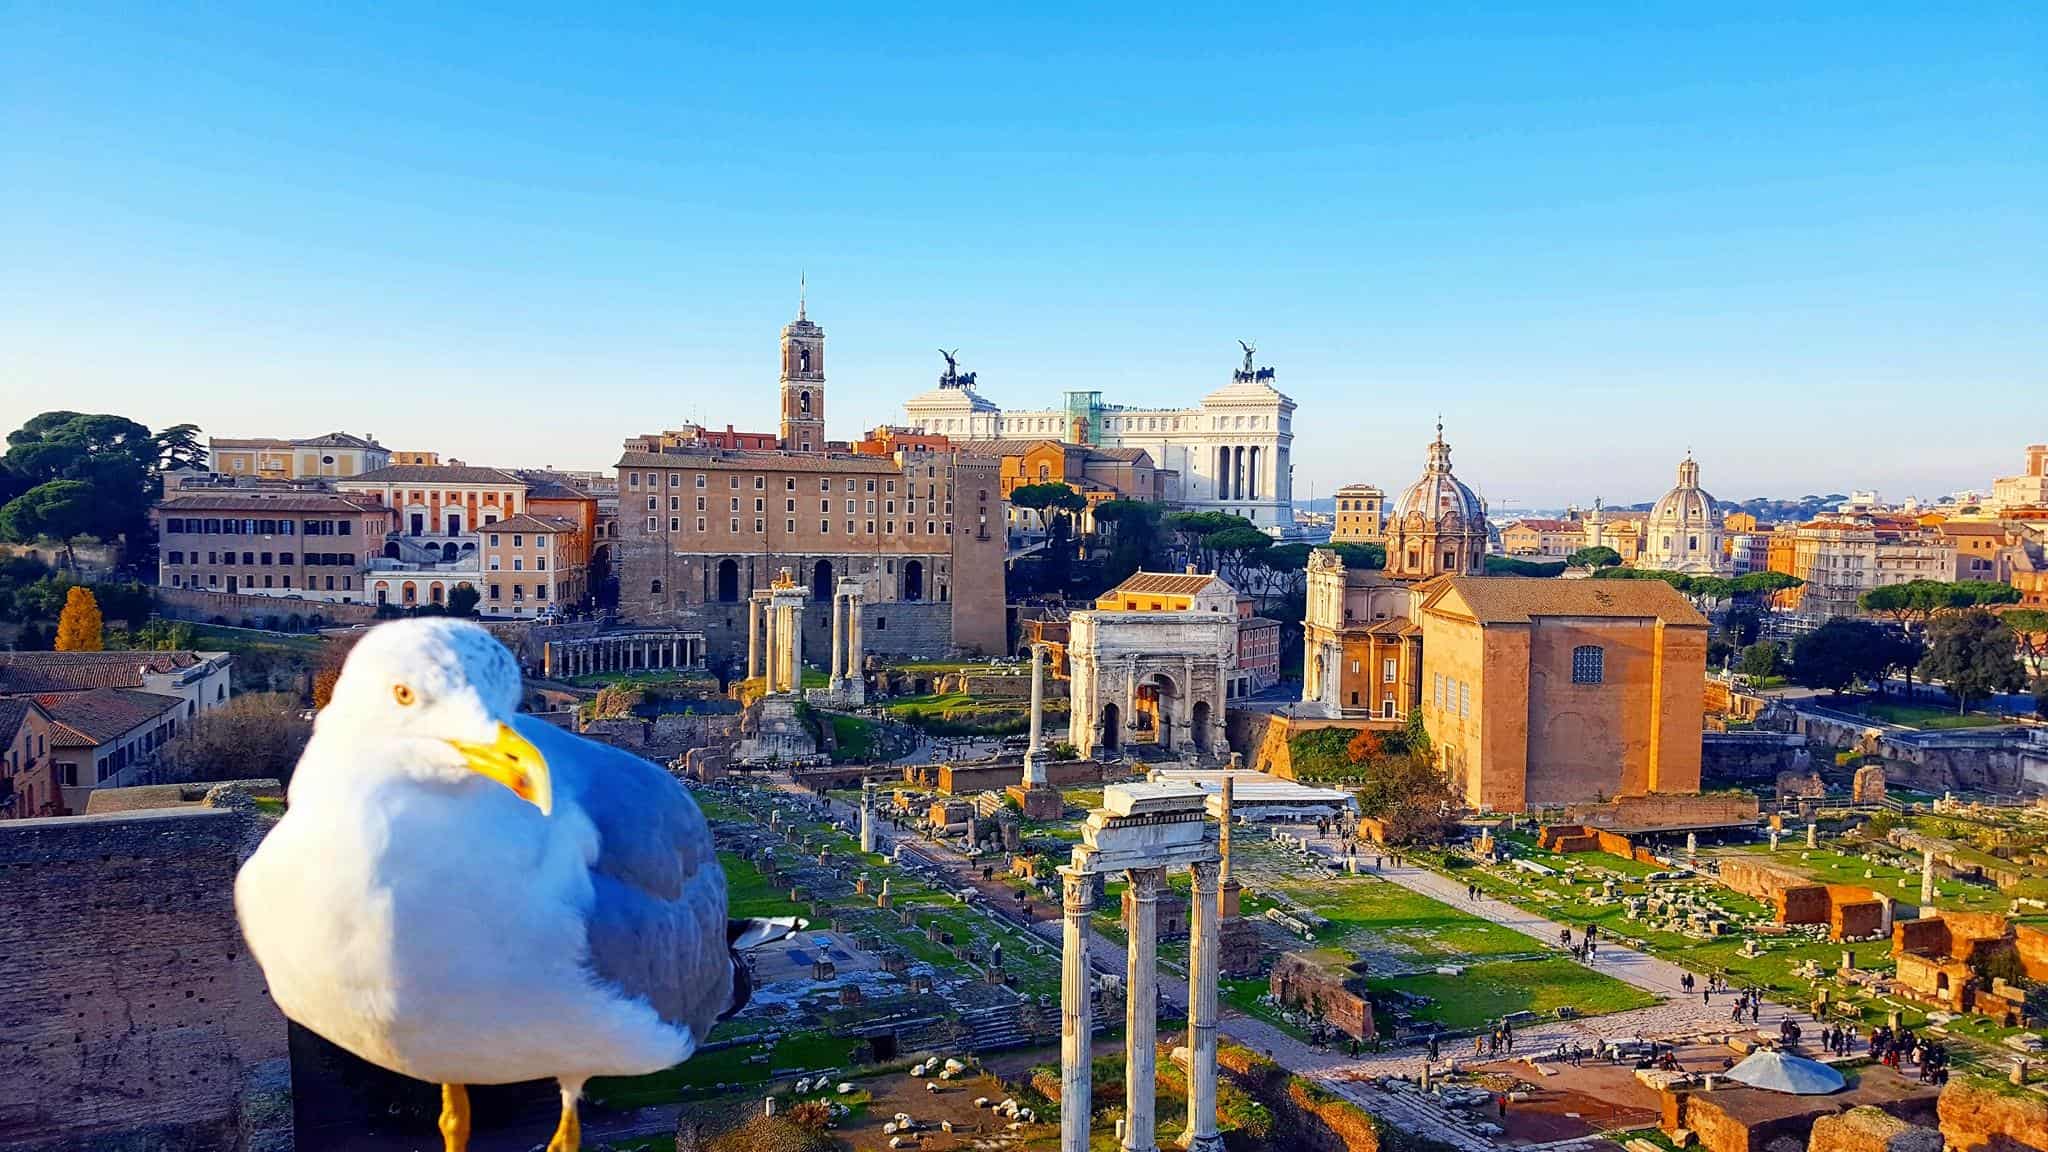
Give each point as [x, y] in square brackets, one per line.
[775, 636]
[1239, 471]
[847, 656]
[623, 652]
[1141, 1007]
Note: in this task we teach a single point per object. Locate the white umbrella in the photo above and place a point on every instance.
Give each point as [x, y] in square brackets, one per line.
[1780, 1072]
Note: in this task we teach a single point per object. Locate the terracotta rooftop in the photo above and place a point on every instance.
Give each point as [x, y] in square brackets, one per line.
[36, 673]
[429, 474]
[1163, 584]
[711, 460]
[528, 522]
[262, 500]
[13, 712]
[1520, 599]
[89, 719]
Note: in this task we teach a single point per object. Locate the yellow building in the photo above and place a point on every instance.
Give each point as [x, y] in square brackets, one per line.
[1361, 515]
[1170, 592]
[1562, 691]
[526, 571]
[1554, 539]
[333, 455]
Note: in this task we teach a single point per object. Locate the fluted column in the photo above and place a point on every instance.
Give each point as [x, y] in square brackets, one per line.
[1076, 1016]
[856, 656]
[838, 658]
[753, 638]
[1202, 962]
[796, 647]
[1141, 1007]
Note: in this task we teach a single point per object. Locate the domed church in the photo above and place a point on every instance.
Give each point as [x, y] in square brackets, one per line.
[1683, 534]
[1439, 526]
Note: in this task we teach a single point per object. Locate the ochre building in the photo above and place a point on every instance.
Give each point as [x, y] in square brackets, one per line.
[1558, 691]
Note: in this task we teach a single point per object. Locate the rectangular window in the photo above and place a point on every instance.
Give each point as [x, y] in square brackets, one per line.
[824, 527]
[1589, 664]
[735, 524]
[675, 503]
[519, 563]
[675, 479]
[760, 525]
[700, 523]
[632, 479]
[760, 482]
[675, 523]
[653, 525]
[494, 539]
[700, 504]
[789, 527]
[700, 480]
[1389, 670]
[1464, 700]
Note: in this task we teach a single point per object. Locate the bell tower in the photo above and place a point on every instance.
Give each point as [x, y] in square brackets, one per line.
[803, 384]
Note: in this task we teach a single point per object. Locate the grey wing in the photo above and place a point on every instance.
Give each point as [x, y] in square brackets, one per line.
[657, 924]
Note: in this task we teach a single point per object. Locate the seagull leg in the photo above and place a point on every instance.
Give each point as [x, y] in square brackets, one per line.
[569, 1133]
[454, 1118]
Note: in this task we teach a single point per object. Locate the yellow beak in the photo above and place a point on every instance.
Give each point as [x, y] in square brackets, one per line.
[512, 760]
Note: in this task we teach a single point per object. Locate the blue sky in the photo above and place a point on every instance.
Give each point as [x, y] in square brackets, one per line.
[1808, 241]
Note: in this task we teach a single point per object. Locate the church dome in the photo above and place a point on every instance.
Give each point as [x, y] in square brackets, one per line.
[1686, 506]
[1439, 493]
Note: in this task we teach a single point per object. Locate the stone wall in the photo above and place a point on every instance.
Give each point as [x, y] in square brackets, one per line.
[273, 612]
[1663, 812]
[2032, 943]
[969, 779]
[1301, 981]
[1986, 1116]
[136, 1017]
[1732, 759]
[1846, 909]
[1868, 1129]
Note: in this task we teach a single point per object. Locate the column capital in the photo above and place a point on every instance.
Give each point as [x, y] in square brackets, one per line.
[1207, 874]
[1078, 890]
[1145, 884]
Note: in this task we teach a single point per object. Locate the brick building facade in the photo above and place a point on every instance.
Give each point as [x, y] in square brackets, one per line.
[701, 528]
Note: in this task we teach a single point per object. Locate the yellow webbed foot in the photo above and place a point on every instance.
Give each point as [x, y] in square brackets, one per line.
[569, 1133]
[454, 1118]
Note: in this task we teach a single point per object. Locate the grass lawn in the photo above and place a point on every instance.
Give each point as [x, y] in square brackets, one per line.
[1403, 921]
[749, 894]
[854, 736]
[1489, 991]
[1921, 716]
[219, 638]
[725, 1066]
[1836, 867]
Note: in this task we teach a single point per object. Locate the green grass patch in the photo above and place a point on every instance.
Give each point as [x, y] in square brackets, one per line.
[1921, 716]
[725, 1066]
[853, 737]
[1489, 991]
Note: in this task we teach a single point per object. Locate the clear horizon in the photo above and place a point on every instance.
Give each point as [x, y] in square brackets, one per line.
[1591, 237]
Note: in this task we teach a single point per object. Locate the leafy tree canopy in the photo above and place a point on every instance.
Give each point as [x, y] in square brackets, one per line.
[1497, 565]
[1843, 651]
[1972, 652]
[1361, 556]
[1598, 556]
[1051, 495]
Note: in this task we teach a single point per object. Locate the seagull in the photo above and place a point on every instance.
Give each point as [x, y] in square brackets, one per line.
[466, 895]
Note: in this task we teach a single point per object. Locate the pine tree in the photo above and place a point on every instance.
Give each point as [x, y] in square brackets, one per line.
[79, 627]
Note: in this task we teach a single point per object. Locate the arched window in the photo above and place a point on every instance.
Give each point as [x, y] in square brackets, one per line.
[728, 581]
[1589, 664]
[821, 581]
[803, 402]
[913, 580]
[654, 587]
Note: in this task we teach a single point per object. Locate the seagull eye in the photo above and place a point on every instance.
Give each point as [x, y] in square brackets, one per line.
[403, 694]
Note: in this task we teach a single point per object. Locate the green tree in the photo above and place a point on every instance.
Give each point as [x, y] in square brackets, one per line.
[1597, 556]
[1760, 660]
[1194, 528]
[1134, 527]
[1361, 557]
[1498, 565]
[178, 448]
[2030, 628]
[462, 601]
[1972, 651]
[257, 736]
[1234, 548]
[115, 457]
[1916, 603]
[1050, 495]
[1839, 653]
[60, 510]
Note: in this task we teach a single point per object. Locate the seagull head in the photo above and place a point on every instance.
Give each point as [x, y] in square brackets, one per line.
[446, 691]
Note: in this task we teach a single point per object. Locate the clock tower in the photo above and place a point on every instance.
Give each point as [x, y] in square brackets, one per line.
[803, 384]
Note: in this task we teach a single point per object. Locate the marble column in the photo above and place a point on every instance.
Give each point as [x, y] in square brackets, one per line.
[1141, 1007]
[771, 655]
[1034, 756]
[796, 647]
[1076, 1014]
[753, 638]
[837, 661]
[856, 656]
[1926, 879]
[1812, 836]
[1202, 967]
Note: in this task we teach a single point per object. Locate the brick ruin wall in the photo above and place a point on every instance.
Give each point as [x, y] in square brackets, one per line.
[141, 1021]
[1300, 982]
[1568, 838]
[2032, 943]
[969, 779]
[1660, 811]
[1846, 909]
[257, 611]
